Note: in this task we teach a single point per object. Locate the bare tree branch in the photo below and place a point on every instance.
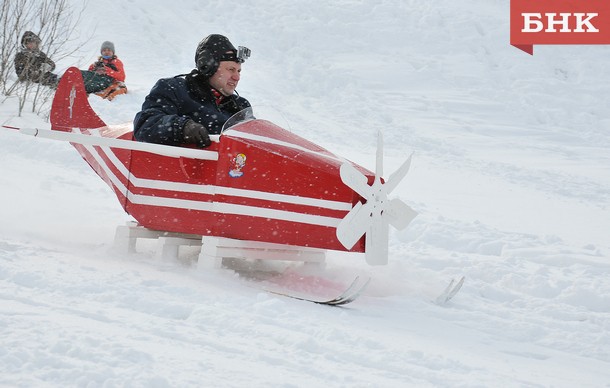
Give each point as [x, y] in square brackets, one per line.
[55, 22]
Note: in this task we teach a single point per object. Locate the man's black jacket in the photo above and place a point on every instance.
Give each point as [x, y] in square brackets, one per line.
[173, 101]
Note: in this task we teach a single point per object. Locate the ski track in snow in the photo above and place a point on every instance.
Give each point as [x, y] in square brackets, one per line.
[510, 176]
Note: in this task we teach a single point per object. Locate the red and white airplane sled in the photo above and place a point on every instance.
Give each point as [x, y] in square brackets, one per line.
[257, 192]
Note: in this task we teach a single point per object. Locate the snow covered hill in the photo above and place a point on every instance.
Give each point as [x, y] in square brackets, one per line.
[511, 179]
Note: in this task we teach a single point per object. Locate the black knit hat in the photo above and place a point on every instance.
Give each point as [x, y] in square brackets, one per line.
[211, 51]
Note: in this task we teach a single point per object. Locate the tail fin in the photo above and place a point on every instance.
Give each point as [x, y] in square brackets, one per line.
[71, 110]
[71, 107]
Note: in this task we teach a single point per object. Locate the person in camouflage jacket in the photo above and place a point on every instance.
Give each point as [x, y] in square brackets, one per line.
[32, 65]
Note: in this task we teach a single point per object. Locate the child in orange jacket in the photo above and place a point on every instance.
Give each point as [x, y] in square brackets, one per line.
[105, 77]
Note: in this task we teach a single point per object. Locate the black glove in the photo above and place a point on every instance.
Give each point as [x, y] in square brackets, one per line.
[196, 133]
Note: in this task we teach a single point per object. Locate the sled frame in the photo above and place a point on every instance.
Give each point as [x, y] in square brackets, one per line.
[213, 249]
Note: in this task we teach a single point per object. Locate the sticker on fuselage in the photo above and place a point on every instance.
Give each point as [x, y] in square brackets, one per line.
[237, 164]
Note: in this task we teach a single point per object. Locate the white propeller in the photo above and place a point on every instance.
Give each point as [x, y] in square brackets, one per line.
[374, 217]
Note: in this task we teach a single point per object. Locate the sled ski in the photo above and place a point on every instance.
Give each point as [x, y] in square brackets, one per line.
[452, 288]
[350, 294]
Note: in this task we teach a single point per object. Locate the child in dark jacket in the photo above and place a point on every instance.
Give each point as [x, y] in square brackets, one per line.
[32, 65]
[105, 77]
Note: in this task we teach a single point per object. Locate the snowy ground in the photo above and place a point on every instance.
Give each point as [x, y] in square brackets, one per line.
[511, 177]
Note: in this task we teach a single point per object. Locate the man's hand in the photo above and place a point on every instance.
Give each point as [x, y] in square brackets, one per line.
[196, 133]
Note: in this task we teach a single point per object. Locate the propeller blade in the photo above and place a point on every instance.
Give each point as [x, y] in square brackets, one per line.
[355, 180]
[398, 175]
[379, 165]
[376, 248]
[353, 225]
[399, 214]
